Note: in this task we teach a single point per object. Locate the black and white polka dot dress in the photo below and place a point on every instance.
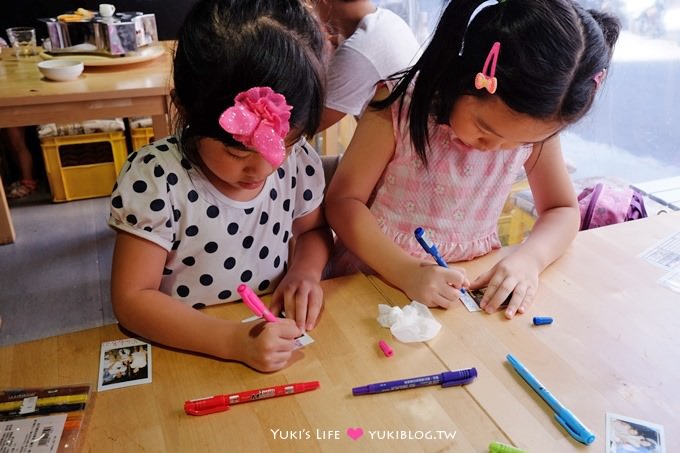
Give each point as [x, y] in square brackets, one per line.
[214, 243]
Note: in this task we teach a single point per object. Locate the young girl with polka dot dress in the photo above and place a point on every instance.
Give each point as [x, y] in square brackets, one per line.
[444, 141]
[223, 202]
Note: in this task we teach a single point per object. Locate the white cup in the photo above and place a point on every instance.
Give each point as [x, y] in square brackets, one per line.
[106, 9]
[22, 40]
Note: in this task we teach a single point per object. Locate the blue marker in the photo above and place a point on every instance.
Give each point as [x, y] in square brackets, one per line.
[429, 246]
[564, 416]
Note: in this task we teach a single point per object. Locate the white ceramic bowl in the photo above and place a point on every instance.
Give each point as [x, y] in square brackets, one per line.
[61, 70]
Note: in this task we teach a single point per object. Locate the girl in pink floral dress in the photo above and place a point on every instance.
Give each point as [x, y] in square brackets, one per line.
[445, 140]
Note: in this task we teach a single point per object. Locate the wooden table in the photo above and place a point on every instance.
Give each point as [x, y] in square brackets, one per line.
[613, 348]
[614, 345]
[150, 417]
[101, 92]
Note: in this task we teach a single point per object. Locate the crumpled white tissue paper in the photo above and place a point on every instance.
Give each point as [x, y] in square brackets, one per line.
[412, 323]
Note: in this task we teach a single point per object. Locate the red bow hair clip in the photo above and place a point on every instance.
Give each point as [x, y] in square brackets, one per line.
[488, 79]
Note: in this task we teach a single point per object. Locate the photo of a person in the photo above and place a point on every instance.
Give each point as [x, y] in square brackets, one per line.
[124, 363]
[138, 360]
[631, 436]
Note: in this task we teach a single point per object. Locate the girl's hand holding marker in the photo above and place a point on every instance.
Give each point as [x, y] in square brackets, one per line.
[434, 278]
[472, 299]
[431, 248]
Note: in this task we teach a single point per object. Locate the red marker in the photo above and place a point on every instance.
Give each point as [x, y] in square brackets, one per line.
[221, 403]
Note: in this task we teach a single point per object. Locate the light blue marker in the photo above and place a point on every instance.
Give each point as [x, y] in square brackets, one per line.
[564, 416]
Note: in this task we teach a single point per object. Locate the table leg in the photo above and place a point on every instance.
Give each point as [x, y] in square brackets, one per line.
[7, 235]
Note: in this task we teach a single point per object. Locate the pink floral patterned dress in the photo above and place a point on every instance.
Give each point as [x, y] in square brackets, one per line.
[457, 199]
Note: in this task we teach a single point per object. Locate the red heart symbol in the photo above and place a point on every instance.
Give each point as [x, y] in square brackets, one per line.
[355, 433]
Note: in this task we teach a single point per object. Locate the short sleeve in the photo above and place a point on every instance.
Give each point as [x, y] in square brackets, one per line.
[350, 90]
[140, 202]
[310, 183]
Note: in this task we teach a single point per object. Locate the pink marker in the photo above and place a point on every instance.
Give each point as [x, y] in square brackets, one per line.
[255, 303]
[385, 348]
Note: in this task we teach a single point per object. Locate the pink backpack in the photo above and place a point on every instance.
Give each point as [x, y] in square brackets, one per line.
[605, 204]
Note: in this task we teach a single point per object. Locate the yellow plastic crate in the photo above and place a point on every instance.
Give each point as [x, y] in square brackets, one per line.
[83, 166]
[504, 227]
[522, 223]
[141, 136]
[514, 223]
[514, 226]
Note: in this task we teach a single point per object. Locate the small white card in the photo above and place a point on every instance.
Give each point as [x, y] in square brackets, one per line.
[123, 363]
[629, 435]
[472, 297]
[300, 342]
[303, 340]
[469, 302]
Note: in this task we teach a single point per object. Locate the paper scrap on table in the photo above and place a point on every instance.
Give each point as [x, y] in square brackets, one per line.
[671, 281]
[665, 254]
[412, 323]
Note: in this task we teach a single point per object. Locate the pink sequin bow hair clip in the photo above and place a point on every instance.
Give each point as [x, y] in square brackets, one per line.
[487, 78]
[259, 119]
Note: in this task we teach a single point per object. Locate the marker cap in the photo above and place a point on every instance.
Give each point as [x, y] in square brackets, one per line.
[386, 349]
[542, 320]
[206, 406]
[458, 377]
[498, 447]
[363, 390]
[307, 386]
[578, 432]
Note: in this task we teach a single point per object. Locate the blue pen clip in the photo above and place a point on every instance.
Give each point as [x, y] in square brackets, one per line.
[429, 246]
[585, 437]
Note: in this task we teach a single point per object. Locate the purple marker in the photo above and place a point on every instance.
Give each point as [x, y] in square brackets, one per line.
[446, 379]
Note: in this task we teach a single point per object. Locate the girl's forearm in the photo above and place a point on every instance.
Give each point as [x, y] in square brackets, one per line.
[312, 251]
[365, 239]
[554, 230]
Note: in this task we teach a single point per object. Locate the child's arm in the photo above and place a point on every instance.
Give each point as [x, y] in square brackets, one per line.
[140, 307]
[556, 226]
[299, 292]
[359, 171]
